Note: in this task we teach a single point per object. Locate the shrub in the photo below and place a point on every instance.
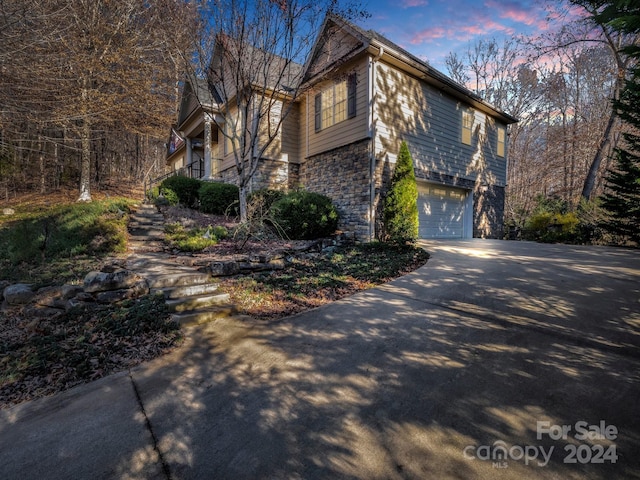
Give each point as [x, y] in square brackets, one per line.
[185, 188]
[400, 211]
[218, 198]
[305, 215]
[552, 227]
[165, 197]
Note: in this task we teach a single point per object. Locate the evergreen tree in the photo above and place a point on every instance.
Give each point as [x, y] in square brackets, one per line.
[622, 200]
[400, 212]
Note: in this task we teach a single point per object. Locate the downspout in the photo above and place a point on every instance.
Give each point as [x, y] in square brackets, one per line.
[372, 151]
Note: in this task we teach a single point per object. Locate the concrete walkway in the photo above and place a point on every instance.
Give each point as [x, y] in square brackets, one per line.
[434, 375]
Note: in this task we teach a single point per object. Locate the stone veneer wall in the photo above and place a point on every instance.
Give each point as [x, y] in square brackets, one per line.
[343, 176]
[272, 174]
[488, 203]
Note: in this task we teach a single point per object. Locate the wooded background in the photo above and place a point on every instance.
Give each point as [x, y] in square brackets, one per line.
[89, 89]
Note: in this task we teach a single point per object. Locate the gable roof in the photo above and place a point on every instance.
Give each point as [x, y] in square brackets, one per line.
[254, 66]
[375, 43]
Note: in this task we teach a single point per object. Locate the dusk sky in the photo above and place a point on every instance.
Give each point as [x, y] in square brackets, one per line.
[430, 29]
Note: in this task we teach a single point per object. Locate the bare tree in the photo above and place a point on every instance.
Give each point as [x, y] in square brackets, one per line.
[252, 53]
[74, 72]
[586, 32]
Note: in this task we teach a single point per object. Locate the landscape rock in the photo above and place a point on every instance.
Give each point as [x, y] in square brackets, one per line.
[106, 281]
[8, 211]
[18, 294]
[57, 296]
[84, 297]
[139, 289]
[223, 269]
[114, 265]
[260, 267]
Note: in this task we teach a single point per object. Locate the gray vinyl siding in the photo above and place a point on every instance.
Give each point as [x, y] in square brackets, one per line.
[343, 133]
[431, 123]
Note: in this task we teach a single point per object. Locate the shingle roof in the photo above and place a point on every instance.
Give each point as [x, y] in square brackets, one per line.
[371, 37]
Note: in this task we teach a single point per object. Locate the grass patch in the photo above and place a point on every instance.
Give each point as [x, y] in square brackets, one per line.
[193, 239]
[60, 243]
[40, 357]
[312, 281]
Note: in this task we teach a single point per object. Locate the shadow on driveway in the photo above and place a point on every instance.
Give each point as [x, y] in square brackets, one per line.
[419, 378]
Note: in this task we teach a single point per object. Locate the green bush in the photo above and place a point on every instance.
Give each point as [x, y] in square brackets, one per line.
[400, 211]
[552, 227]
[185, 188]
[218, 198]
[305, 215]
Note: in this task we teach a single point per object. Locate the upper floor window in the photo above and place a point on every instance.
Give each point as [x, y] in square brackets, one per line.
[501, 142]
[467, 125]
[336, 103]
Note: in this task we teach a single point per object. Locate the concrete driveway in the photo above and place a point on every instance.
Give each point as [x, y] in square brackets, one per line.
[495, 360]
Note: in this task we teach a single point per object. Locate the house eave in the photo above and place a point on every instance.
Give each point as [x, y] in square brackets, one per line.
[436, 79]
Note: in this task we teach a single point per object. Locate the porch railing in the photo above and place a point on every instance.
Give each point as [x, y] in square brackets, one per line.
[192, 170]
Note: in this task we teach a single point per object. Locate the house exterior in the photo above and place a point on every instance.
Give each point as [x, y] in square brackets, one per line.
[362, 96]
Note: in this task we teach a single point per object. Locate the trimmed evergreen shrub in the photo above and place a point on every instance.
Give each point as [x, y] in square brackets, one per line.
[400, 210]
[218, 198]
[186, 188]
[305, 215]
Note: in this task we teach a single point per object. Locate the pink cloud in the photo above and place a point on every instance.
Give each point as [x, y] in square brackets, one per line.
[486, 25]
[428, 35]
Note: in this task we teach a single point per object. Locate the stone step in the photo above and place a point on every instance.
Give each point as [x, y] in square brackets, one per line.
[189, 290]
[197, 302]
[177, 279]
[140, 236]
[147, 222]
[205, 315]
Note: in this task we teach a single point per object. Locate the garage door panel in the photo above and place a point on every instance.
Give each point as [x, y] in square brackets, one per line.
[441, 212]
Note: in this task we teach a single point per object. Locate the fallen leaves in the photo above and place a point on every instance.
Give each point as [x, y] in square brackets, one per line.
[39, 358]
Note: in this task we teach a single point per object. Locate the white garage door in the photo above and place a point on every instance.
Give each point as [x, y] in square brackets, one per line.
[441, 211]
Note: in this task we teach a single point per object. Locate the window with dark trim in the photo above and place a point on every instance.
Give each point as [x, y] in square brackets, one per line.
[335, 103]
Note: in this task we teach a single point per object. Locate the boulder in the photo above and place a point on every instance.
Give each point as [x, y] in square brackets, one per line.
[223, 269]
[106, 281]
[112, 296]
[56, 297]
[8, 211]
[18, 294]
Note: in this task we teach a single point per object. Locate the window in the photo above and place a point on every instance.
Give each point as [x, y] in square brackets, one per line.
[336, 103]
[501, 141]
[467, 125]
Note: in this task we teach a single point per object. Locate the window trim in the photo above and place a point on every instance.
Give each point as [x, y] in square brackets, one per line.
[501, 143]
[466, 130]
[350, 100]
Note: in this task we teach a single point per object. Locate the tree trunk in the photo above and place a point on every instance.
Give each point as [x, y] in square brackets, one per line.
[243, 202]
[85, 163]
[592, 175]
